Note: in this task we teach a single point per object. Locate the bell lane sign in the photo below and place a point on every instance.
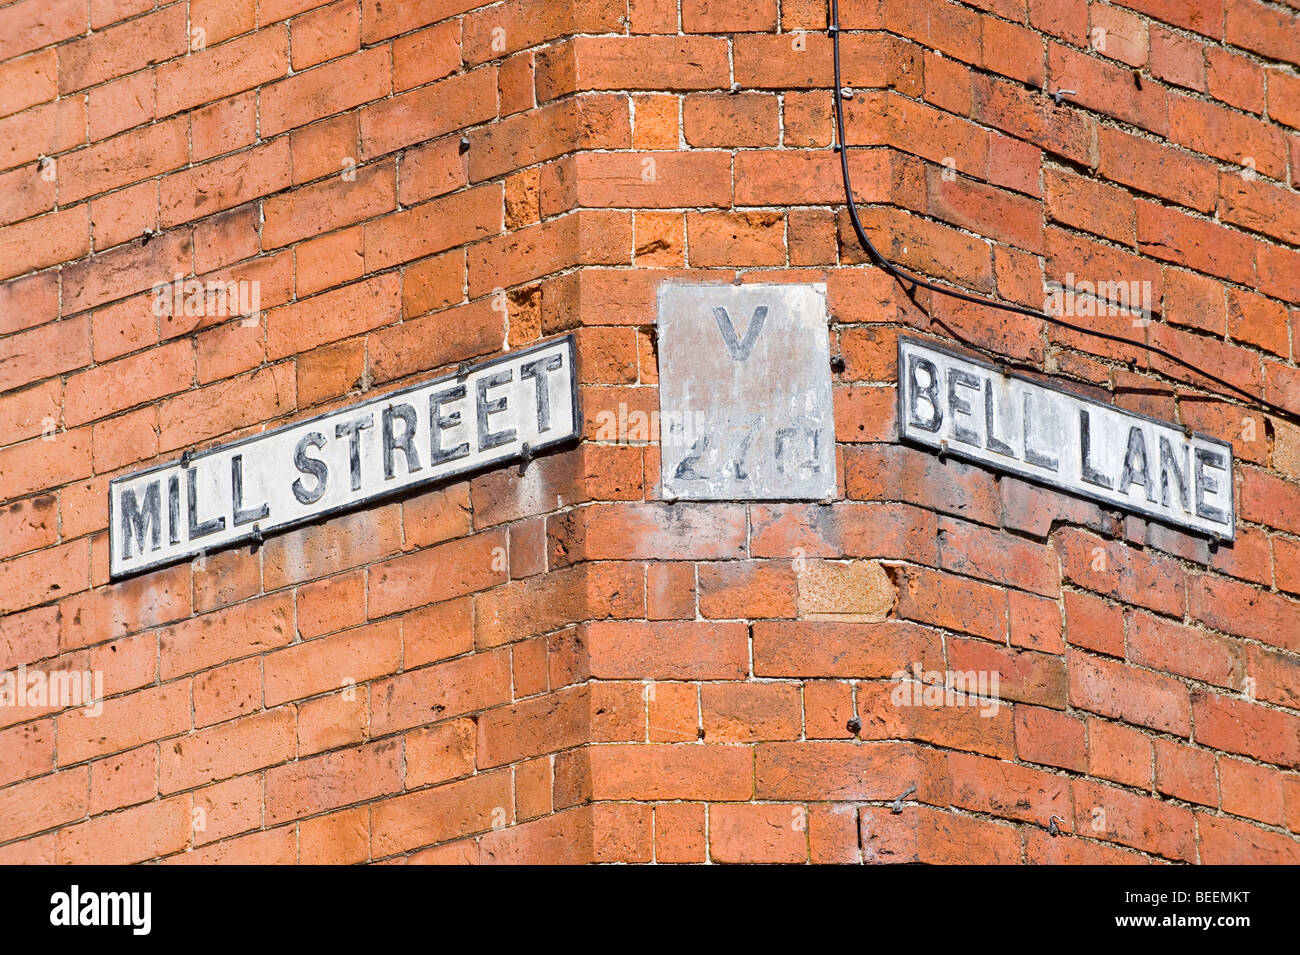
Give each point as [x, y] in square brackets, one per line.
[1020, 426]
[493, 413]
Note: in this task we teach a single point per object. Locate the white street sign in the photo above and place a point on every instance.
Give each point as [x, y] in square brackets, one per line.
[499, 411]
[1010, 423]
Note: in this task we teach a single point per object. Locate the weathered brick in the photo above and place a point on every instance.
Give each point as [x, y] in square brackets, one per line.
[1135, 696]
[308, 786]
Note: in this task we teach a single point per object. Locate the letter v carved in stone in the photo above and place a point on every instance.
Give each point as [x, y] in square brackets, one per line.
[740, 350]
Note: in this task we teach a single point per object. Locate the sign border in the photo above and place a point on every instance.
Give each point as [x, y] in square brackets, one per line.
[1028, 475]
[251, 535]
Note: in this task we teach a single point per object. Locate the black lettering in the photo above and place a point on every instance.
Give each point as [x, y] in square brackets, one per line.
[1169, 464]
[492, 439]
[537, 370]
[814, 438]
[929, 392]
[738, 462]
[438, 423]
[740, 350]
[991, 440]
[174, 509]
[959, 406]
[239, 514]
[1090, 474]
[196, 528]
[1129, 474]
[138, 520]
[352, 431]
[309, 465]
[685, 470]
[1205, 484]
[406, 413]
[1040, 459]
[782, 436]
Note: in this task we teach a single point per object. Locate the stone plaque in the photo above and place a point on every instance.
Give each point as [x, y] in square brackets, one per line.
[745, 409]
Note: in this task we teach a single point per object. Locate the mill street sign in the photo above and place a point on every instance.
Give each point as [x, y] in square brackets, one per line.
[489, 414]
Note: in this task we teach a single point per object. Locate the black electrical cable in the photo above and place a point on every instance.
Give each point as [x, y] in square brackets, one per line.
[916, 281]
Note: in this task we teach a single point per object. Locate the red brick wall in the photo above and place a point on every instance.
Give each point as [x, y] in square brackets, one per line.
[559, 666]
